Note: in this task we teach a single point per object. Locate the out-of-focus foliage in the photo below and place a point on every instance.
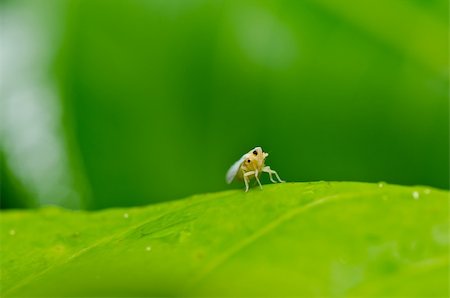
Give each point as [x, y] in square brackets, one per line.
[290, 240]
[157, 98]
[11, 189]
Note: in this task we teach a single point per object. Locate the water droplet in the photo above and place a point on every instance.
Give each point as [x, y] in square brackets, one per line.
[427, 191]
[381, 184]
[415, 195]
[125, 215]
[12, 232]
[148, 248]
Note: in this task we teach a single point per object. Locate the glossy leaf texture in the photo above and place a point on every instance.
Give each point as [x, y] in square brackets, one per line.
[296, 239]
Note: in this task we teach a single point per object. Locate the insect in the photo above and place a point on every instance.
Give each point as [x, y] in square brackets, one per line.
[251, 164]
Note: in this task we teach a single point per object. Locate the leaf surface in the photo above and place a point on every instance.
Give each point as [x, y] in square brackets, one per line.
[296, 239]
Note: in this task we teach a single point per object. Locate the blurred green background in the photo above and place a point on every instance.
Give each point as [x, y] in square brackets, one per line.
[121, 103]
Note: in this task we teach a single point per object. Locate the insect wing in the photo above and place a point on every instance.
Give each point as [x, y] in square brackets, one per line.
[234, 169]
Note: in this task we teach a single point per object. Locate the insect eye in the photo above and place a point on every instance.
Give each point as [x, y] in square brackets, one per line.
[255, 152]
[248, 160]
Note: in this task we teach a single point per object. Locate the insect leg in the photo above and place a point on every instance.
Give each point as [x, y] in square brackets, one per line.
[246, 183]
[257, 179]
[245, 176]
[278, 177]
[267, 169]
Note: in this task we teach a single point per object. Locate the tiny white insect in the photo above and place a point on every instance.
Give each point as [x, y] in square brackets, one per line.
[251, 164]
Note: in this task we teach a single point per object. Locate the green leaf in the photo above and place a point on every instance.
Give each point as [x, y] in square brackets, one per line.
[295, 239]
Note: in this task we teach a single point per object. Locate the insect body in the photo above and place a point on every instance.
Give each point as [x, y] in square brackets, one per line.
[251, 164]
